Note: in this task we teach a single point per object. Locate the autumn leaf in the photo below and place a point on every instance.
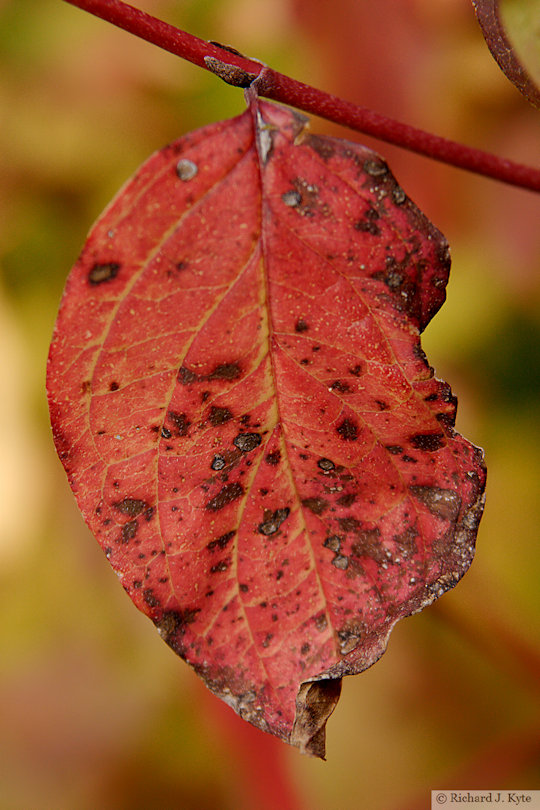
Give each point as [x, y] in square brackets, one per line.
[247, 419]
[493, 22]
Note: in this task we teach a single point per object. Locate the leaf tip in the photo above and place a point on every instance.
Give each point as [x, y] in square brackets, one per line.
[315, 702]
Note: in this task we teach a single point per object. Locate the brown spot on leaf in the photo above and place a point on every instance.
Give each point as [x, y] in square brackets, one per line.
[218, 416]
[186, 169]
[443, 503]
[333, 542]
[149, 597]
[246, 442]
[129, 530]
[368, 544]
[348, 430]
[114, 386]
[221, 542]
[357, 370]
[225, 371]
[220, 566]
[273, 458]
[226, 495]
[349, 524]
[131, 506]
[316, 505]
[427, 441]
[347, 499]
[103, 272]
[272, 520]
[186, 376]
[301, 325]
[341, 386]
[180, 421]
[326, 464]
[368, 223]
[218, 462]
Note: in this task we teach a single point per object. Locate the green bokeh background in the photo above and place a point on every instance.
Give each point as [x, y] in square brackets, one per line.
[95, 711]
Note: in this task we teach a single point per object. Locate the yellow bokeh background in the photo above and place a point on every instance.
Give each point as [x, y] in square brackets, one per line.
[95, 711]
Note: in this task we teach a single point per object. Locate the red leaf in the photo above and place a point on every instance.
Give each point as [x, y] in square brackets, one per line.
[488, 15]
[246, 417]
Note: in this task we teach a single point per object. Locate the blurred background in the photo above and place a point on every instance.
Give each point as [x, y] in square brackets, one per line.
[95, 710]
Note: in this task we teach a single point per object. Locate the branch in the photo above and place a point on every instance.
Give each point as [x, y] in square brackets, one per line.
[240, 70]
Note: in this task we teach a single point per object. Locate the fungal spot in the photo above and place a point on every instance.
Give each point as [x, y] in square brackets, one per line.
[368, 544]
[114, 386]
[291, 198]
[321, 622]
[243, 587]
[321, 145]
[341, 386]
[443, 503]
[225, 371]
[131, 506]
[220, 566]
[301, 325]
[218, 416]
[166, 433]
[218, 462]
[273, 458]
[394, 449]
[427, 441]
[398, 195]
[149, 598]
[375, 168]
[326, 464]
[348, 430]
[272, 521]
[186, 376]
[129, 530]
[333, 542]
[186, 169]
[349, 524]
[137, 583]
[149, 513]
[316, 505]
[368, 224]
[246, 442]
[357, 370]
[103, 272]
[346, 500]
[226, 495]
[221, 542]
[340, 562]
[180, 422]
[173, 623]
[86, 387]
[382, 405]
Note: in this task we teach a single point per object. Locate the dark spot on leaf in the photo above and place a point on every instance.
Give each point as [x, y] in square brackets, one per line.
[305, 648]
[326, 464]
[349, 524]
[103, 272]
[357, 370]
[114, 386]
[227, 494]
[340, 562]
[301, 325]
[272, 521]
[273, 458]
[220, 566]
[218, 416]
[180, 422]
[279, 574]
[186, 376]
[225, 371]
[149, 513]
[368, 224]
[131, 506]
[398, 195]
[86, 388]
[129, 530]
[243, 587]
[221, 542]
[347, 499]
[137, 583]
[174, 622]
[375, 168]
[341, 386]
[333, 542]
[323, 146]
[394, 449]
[427, 441]
[446, 419]
[444, 503]
[166, 433]
[316, 505]
[348, 430]
[218, 462]
[382, 405]
[149, 598]
[321, 622]
[410, 459]
[247, 441]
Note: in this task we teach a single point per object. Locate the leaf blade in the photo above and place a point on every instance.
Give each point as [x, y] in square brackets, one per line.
[251, 429]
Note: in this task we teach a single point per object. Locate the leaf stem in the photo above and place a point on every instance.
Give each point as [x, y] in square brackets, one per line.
[280, 87]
